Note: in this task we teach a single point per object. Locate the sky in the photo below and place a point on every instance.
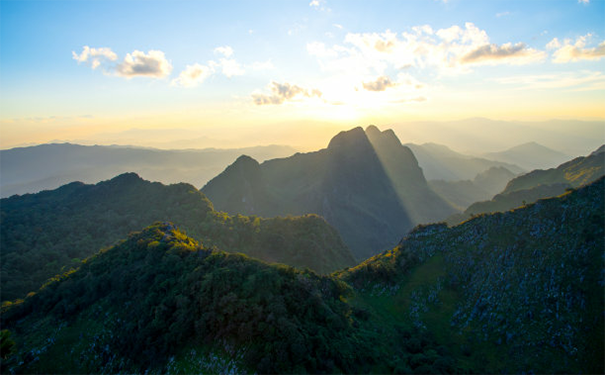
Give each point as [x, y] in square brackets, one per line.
[241, 73]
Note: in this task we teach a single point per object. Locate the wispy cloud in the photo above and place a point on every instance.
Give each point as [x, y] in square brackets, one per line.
[518, 54]
[503, 14]
[94, 56]
[583, 1]
[152, 64]
[567, 51]
[282, 92]
[380, 84]
[192, 76]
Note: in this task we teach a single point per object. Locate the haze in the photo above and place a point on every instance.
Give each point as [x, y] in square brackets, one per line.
[184, 74]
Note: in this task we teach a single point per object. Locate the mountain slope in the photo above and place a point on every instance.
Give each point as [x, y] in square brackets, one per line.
[530, 156]
[159, 298]
[43, 233]
[48, 166]
[438, 162]
[366, 184]
[540, 184]
[498, 294]
[515, 292]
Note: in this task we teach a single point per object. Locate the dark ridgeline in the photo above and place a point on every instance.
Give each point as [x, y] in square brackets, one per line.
[514, 292]
[365, 183]
[50, 232]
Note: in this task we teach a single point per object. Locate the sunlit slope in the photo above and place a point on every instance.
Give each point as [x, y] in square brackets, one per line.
[45, 233]
[541, 184]
[158, 301]
[365, 183]
[520, 291]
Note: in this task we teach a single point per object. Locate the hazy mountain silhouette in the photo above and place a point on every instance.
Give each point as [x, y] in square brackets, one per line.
[530, 156]
[365, 183]
[47, 233]
[541, 184]
[36, 168]
[438, 162]
[484, 186]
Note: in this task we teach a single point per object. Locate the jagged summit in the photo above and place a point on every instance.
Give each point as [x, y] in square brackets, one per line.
[365, 179]
[350, 139]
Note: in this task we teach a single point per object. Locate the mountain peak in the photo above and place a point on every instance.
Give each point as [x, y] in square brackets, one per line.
[354, 138]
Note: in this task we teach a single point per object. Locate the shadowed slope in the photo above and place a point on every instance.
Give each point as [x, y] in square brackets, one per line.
[371, 193]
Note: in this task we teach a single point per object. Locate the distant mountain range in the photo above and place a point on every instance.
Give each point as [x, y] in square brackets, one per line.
[539, 183]
[515, 292]
[484, 186]
[530, 156]
[36, 168]
[438, 162]
[48, 233]
[365, 183]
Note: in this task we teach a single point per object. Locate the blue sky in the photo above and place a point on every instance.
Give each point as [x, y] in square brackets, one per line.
[73, 69]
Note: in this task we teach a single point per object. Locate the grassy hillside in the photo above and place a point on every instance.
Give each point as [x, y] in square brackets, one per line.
[50, 232]
[515, 292]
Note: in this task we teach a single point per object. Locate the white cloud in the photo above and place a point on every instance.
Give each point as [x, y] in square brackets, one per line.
[139, 64]
[224, 50]
[503, 14]
[192, 76]
[380, 84]
[583, 1]
[450, 50]
[566, 51]
[314, 3]
[282, 92]
[94, 56]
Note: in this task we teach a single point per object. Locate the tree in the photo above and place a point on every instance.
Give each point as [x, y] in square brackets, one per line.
[6, 343]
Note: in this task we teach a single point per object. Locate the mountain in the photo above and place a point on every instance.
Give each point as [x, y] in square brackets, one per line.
[514, 292]
[540, 184]
[530, 156]
[47, 233]
[365, 183]
[32, 169]
[439, 162]
[485, 185]
[497, 294]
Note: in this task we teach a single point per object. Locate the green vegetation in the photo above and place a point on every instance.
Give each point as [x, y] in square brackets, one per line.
[149, 302]
[513, 292]
[48, 233]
